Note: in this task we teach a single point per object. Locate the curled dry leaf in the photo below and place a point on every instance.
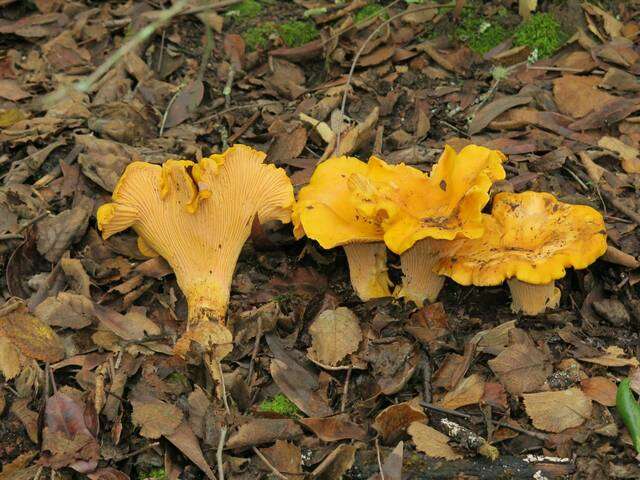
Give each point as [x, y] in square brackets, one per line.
[31, 336]
[332, 429]
[156, 417]
[67, 310]
[559, 410]
[629, 156]
[185, 441]
[103, 161]
[392, 422]
[469, 391]
[11, 360]
[392, 466]
[57, 233]
[336, 463]
[490, 112]
[336, 334]
[432, 442]
[521, 368]
[600, 389]
[258, 431]
[358, 135]
[614, 357]
[285, 457]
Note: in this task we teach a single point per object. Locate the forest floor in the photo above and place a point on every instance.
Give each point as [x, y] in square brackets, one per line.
[89, 386]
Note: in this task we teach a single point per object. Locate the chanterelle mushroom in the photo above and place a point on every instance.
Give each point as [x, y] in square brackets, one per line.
[415, 208]
[198, 216]
[529, 240]
[327, 211]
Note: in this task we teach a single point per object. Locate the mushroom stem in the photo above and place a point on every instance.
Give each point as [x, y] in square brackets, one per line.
[532, 299]
[420, 282]
[368, 269]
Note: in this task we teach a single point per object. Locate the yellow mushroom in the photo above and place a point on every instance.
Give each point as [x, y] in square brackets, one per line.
[198, 216]
[529, 239]
[416, 208]
[327, 211]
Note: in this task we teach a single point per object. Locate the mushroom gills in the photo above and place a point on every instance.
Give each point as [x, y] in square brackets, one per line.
[420, 281]
[532, 299]
[368, 269]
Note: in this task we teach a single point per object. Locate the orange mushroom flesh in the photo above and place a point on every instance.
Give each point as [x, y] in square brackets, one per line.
[414, 209]
[197, 216]
[530, 239]
[328, 211]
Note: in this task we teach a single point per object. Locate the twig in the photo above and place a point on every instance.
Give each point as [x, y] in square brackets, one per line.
[212, 6]
[223, 437]
[362, 47]
[226, 92]
[85, 85]
[223, 387]
[379, 459]
[168, 109]
[136, 452]
[426, 378]
[254, 353]
[446, 411]
[206, 54]
[273, 469]
[555, 69]
[345, 390]
[243, 128]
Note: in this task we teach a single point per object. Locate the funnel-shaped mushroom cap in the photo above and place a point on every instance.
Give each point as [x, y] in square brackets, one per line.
[444, 205]
[198, 216]
[530, 236]
[328, 212]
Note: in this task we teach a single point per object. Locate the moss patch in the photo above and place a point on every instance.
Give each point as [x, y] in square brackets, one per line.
[245, 10]
[542, 33]
[297, 33]
[258, 37]
[280, 404]
[155, 473]
[369, 11]
[479, 33]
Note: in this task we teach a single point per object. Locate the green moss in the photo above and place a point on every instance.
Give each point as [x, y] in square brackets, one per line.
[480, 34]
[542, 33]
[369, 11]
[280, 404]
[245, 10]
[258, 36]
[296, 33]
[155, 473]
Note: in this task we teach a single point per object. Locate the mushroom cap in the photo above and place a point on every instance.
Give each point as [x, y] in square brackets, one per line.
[327, 210]
[443, 205]
[530, 236]
[198, 215]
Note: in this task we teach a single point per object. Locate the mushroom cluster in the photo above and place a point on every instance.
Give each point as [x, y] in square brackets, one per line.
[435, 222]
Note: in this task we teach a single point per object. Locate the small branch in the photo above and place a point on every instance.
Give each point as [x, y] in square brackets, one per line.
[223, 387]
[85, 85]
[223, 437]
[136, 452]
[273, 469]
[226, 92]
[345, 390]
[256, 346]
[379, 459]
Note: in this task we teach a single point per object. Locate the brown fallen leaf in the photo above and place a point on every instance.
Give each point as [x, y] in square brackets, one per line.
[393, 363]
[600, 389]
[332, 429]
[495, 395]
[392, 422]
[285, 457]
[64, 55]
[11, 90]
[379, 55]
[17, 469]
[488, 113]
[103, 161]
[296, 382]
[430, 325]
[430, 441]
[287, 79]
[469, 391]
[76, 275]
[629, 156]
[108, 473]
[67, 437]
[185, 103]
[336, 463]
[32, 337]
[620, 80]
[358, 134]
[392, 466]
[67, 310]
[126, 122]
[11, 360]
[612, 26]
[28, 417]
[57, 233]
[614, 357]
[608, 114]
[156, 417]
[521, 368]
[287, 145]
[257, 431]
[185, 441]
[494, 340]
[298, 54]
[335, 334]
[577, 96]
[558, 410]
